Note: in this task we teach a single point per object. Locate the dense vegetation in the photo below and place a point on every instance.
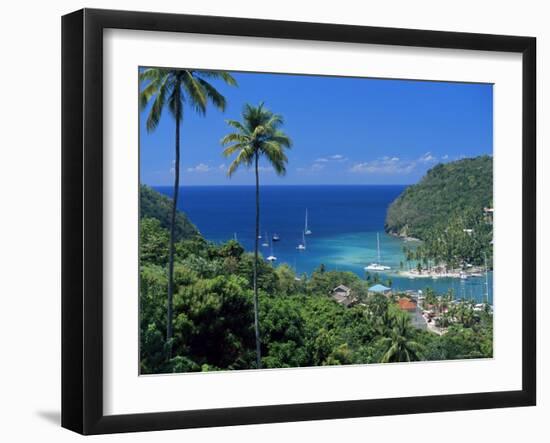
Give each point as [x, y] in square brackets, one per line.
[300, 323]
[466, 240]
[155, 205]
[448, 190]
[446, 210]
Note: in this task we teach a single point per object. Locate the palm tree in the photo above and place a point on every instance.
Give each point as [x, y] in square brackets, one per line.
[174, 88]
[258, 135]
[401, 345]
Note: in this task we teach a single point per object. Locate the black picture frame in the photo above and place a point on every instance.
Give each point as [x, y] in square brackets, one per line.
[82, 218]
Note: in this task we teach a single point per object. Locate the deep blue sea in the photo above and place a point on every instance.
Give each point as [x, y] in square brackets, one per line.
[344, 221]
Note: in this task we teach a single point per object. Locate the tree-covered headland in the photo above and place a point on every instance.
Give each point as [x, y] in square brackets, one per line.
[450, 210]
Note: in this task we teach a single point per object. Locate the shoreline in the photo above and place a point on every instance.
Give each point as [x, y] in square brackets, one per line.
[406, 238]
[454, 273]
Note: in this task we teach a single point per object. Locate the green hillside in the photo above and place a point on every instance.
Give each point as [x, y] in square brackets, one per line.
[155, 205]
[447, 191]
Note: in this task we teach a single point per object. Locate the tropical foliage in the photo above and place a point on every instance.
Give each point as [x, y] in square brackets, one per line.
[465, 240]
[400, 345]
[155, 205]
[301, 325]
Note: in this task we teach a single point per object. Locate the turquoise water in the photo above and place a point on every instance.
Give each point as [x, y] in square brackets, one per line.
[352, 252]
[344, 221]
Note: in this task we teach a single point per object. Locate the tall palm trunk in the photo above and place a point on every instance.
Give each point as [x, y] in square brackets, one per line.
[169, 313]
[256, 321]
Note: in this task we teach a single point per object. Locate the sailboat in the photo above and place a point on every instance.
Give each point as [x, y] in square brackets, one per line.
[265, 244]
[306, 229]
[271, 258]
[302, 246]
[377, 266]
[275, 237]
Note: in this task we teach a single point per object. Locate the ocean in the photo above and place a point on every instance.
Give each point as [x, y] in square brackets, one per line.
[344, 221]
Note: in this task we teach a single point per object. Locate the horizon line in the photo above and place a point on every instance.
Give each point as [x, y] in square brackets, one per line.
[282, 185]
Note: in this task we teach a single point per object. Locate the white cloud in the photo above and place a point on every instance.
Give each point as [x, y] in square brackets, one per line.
[335, 157]
[392, 165]
[427, 158]
[338, 157]
[315, 167]
[383, 165]
[321, 163]
[201, 167]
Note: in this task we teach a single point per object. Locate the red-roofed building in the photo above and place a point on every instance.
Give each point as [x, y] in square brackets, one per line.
[406, 304]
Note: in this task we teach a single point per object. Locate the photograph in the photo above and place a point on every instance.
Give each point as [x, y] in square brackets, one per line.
[300, 220]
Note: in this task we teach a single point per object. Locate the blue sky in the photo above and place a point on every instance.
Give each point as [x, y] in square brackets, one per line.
[344, 130]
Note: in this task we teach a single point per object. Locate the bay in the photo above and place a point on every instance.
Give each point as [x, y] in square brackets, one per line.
[344, 220]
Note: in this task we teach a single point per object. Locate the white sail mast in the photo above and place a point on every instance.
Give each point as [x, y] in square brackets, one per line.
[306, 228]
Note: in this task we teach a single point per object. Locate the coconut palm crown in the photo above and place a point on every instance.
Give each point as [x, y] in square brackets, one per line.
[257, 136]
[400, 345]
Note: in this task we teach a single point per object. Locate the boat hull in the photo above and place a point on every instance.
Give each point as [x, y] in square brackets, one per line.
[378, 268]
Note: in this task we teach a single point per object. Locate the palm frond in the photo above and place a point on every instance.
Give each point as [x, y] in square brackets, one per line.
[251, 113]
[223, 75]
[235, 137]
[275, 121]
[155, 112]
[245, 158]
[175, 101]
[259, 131]
[275, 156]
[149, 91]
[230, 150]
[153, 74]
[281, 138]
[212, 93]
[238, 125]
[195, 92]
[416, 348]
[388, 356]
[279, 167]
